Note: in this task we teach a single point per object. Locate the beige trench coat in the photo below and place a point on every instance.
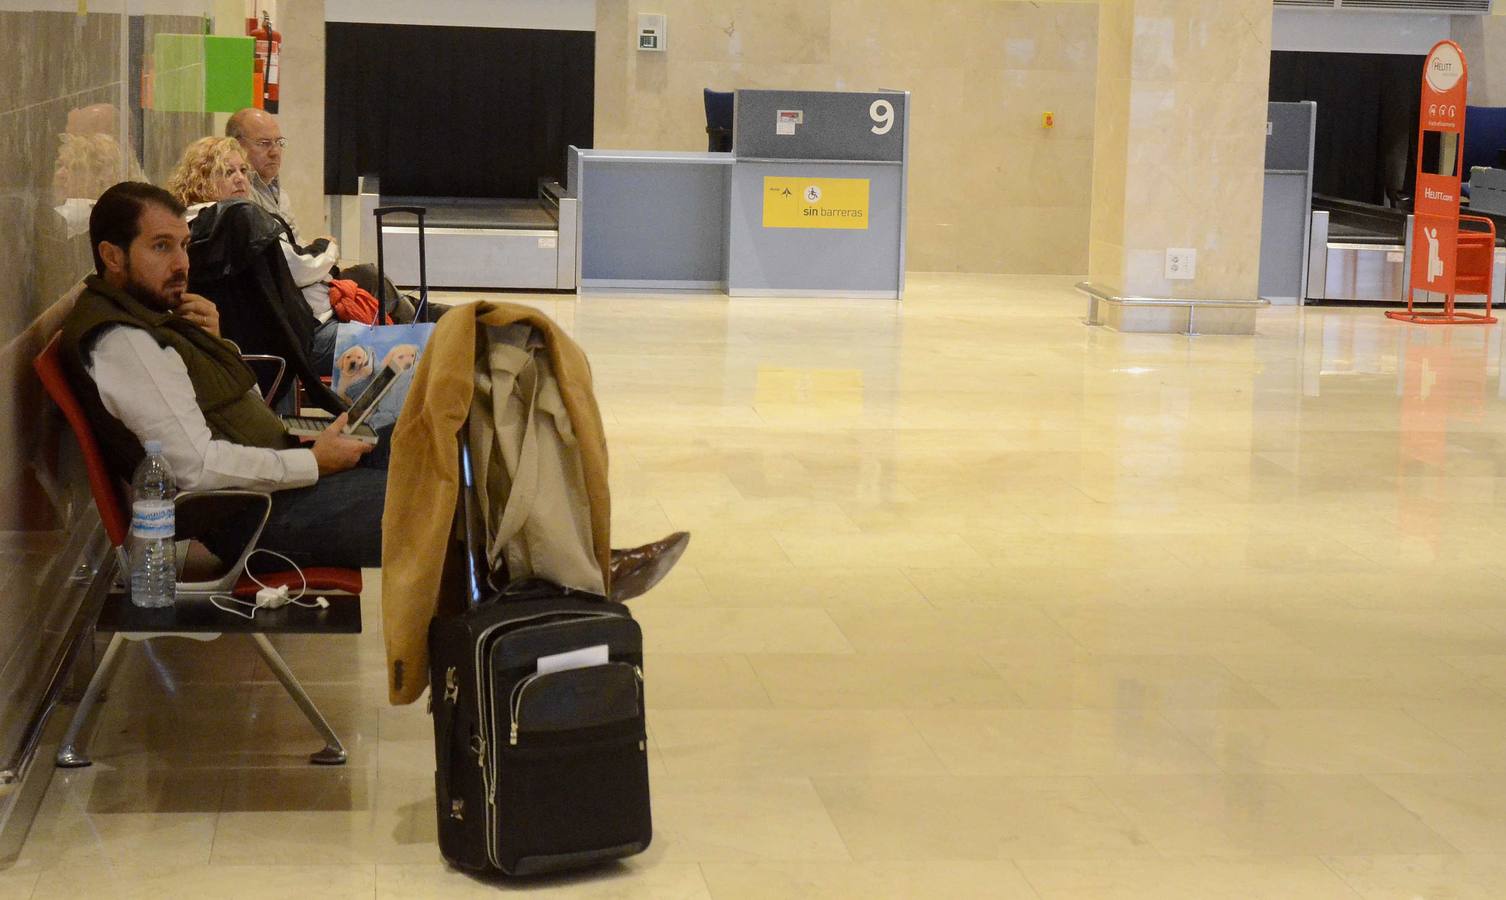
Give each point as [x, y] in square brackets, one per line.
[422, 567]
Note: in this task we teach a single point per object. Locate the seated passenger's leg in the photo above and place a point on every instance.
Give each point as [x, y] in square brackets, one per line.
[400, 307]
[365, 277]
[336, 522]
[322, 349]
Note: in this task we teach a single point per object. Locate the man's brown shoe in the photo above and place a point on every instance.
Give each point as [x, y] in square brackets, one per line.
[636, 570]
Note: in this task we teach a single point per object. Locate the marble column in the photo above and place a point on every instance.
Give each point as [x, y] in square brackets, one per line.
[1179, 159]
[301, 111]
[1484, 41]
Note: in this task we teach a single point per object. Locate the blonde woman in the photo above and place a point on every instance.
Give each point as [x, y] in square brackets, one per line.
[214, 169]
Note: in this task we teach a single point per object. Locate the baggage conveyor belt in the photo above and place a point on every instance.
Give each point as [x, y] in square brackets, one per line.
[1360, 253]
[479, 244]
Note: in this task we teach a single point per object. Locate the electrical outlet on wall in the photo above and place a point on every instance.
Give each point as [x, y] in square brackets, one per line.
[1181, 264]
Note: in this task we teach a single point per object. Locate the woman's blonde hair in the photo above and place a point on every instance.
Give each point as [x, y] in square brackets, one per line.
[86, 165]
[205, 160]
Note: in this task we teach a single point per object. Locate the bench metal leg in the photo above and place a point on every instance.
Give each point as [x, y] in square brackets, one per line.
[71, 754]
[333, 753]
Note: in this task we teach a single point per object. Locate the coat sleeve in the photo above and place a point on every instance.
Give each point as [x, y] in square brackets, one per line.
[423, 486]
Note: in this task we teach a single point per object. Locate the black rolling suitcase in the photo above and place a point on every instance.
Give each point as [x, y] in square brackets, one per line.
[537, 770]
[384, 290]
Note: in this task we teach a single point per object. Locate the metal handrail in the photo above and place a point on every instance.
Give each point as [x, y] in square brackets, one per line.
[1097, 295]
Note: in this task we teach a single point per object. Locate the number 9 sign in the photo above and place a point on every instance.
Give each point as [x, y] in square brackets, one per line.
[882, 114]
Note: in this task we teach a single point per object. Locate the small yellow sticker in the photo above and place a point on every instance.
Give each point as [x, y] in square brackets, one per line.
[815, 202]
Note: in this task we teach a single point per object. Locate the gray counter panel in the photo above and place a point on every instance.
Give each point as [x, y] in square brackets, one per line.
[1283, 249]
[651, 222]
[811, 260]
[837, 126]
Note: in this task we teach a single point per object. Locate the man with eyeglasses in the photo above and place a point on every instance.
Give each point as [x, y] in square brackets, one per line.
[263, 142]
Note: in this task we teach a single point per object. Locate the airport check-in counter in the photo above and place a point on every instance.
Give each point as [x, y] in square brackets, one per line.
[811, 202]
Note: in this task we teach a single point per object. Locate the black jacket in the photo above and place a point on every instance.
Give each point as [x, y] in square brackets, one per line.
[235, 261]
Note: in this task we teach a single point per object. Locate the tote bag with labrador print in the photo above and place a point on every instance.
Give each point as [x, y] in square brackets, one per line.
[363, 350]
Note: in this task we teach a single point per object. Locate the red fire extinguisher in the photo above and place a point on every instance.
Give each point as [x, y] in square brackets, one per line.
[268, 60]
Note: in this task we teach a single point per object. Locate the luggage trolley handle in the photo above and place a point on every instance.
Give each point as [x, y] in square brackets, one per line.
[423, 270]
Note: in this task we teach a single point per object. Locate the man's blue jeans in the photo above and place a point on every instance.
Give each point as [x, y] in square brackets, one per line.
[337, 521]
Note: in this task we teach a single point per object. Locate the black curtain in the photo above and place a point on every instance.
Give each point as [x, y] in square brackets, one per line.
[454, 112]
[1367, 118]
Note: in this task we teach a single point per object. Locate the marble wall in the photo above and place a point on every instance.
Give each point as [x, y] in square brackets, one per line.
[1483, 39]
[991, 190]
[71, 124]
[38, 91]
[1179, 161]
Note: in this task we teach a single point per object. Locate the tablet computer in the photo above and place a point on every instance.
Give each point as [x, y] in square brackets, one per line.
[359, 412]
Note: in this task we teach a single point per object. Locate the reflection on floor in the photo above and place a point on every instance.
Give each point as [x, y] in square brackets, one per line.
[981, 603]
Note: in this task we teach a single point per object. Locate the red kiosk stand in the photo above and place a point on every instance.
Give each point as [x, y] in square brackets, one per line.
[1447, 259]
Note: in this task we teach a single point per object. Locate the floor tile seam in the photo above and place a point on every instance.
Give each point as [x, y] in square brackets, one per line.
[1188, 739]
[1077, 643]
[1244, 682]
[36, 881]
[904, 572]
[700, 867]
[1126, 813]
[1485, 623]
[1173, 858]
[1104, 789]
[694, 571]
[1328, 859]
[1477, 682]
[789, 560]
[846, 638]
[768, 695]
[1406, 710]
[1025, 877]
[762, 684]
[1423, 823]
[909, 717]
[831, 820]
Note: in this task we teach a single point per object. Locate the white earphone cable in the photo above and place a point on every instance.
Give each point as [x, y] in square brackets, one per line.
[254, 605]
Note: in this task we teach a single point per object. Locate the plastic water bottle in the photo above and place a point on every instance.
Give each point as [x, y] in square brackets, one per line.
[154, 562]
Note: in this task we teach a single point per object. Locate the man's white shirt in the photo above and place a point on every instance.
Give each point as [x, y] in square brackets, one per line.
[146, 386]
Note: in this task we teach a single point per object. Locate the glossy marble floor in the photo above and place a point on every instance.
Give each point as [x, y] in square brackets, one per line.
[981, 603]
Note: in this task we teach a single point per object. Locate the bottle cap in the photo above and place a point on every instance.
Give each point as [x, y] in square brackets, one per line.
[153, 448]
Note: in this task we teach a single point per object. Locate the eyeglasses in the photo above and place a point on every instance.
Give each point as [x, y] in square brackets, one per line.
[266, 143]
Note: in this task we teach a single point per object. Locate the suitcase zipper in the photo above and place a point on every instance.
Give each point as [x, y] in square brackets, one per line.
[451, 687]
[516, 701]
[482, 696]
[478, 746]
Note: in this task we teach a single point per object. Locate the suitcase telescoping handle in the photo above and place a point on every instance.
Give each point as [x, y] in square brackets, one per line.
[470, 513]
[423, 269]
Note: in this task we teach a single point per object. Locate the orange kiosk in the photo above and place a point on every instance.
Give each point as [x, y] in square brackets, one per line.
[1447, 258]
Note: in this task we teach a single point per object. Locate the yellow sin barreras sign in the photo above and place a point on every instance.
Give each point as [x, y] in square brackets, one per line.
[815, 203]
